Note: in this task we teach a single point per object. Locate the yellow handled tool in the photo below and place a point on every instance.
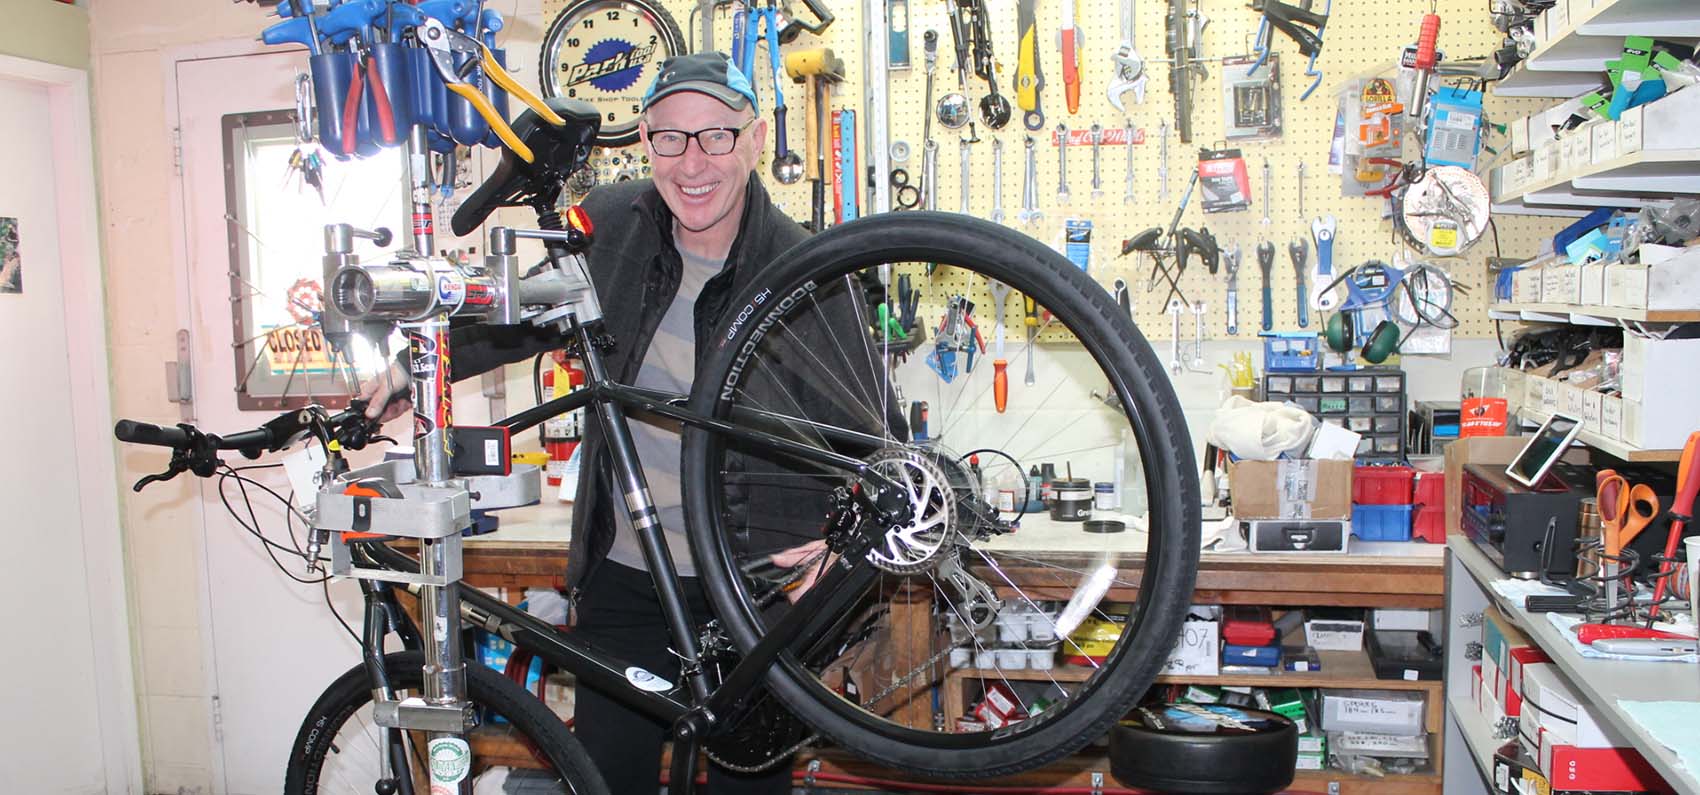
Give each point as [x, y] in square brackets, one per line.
[442, 42]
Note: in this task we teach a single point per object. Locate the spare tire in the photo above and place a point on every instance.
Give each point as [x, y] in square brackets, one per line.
[1204, 748]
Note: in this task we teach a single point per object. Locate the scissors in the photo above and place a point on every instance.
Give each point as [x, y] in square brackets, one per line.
[443, 42]
[1625, 511]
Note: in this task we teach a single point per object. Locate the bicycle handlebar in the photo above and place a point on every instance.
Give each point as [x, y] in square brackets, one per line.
[134, 432]
[197, 452]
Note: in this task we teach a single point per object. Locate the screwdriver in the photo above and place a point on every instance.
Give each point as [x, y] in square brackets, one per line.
[1032, 321]
[1687, 485]
[918, 421]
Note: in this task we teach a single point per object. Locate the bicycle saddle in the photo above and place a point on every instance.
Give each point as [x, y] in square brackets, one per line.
[559, 151]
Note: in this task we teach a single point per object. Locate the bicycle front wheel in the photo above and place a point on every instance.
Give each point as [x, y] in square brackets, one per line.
[340, 749]
[962, 659]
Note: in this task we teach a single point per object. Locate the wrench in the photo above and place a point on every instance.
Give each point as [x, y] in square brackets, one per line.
[1029, 213]
[1299, 251]
[1322, 295]
[1175, 365]
[1301, 190]
[1097, 139]
[1163, 162]
[930, 175]
[1130, 67]
[1266, 264]
[1000, 294]
[967, 161]
[1030, 317]
[1127, 127]
[1231, 261]
[1198, 337]
[1062, 165]
[1268, 179]
[997, 200]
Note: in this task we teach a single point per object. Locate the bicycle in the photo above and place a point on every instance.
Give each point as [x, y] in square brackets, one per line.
[924, 550]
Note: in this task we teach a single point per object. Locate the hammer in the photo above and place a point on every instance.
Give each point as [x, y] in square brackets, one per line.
[819, 68]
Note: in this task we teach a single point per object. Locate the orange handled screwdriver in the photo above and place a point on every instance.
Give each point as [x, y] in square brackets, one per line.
[1687, 485]
[1000, 384]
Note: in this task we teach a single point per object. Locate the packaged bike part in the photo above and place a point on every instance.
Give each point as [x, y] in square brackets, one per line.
[1454, 136]
[1077, 242]
[1251, 102]
[1225, 182]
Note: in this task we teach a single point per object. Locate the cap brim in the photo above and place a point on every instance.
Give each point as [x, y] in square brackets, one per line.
[729, 97]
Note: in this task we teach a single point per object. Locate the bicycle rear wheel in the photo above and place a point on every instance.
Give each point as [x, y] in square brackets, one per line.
[803, 357]
[339, 748]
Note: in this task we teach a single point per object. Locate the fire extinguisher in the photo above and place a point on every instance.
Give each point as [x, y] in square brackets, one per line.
[561, 433]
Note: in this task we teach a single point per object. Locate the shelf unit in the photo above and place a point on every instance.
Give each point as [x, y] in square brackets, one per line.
[1622, 450]
[1583, 33]
[1613, 182]
[1589, 315]
[1601, 682]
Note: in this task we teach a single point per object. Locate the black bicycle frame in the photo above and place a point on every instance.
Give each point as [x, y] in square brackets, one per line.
[697, 707]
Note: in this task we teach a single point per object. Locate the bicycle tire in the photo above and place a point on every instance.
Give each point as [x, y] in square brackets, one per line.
[1153, 416]
[317, 742]
[670, 41]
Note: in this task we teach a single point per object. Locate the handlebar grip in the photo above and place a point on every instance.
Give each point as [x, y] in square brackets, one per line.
[145, 433]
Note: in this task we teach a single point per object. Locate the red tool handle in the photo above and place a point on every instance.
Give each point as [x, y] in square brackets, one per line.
[350, 113]
[1588, 633]
[1071, 69]
[381, 98]
[1687, 486]
[1000, 384]
[1426, 41]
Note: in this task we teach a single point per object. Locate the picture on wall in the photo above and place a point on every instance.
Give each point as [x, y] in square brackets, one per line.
[11, 264]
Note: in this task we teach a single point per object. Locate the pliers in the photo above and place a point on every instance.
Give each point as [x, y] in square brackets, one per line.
[442, 42]
[365, 72]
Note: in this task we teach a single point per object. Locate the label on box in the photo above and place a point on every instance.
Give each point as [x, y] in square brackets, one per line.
[1611, 417]
[1629, 132]
[1533, 387]
[1194, 653]
[1549, 395]
[1558, 19]
[1542, 166]
[1571, 400]
[1593, 405]
[1605, 136]
[1377, 744]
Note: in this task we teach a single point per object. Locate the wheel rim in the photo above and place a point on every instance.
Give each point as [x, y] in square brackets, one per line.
[1026, 579]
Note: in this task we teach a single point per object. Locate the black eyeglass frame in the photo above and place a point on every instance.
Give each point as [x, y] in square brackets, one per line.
[693, 136]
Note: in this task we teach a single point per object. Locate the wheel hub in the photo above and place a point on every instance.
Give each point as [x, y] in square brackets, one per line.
[925, 486]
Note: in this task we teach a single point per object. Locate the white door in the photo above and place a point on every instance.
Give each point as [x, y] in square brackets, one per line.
[275, 645]
[52, 730]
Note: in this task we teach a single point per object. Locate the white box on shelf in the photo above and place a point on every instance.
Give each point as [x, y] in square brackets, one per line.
[1629, 131]
[1558, 19]
[1549, 396]
[1533, 387]
[1667, 278]
[1330, 634]
[1406, 618]
[1662, 424]
[1604, 138]
[1653, 369]
[1561, 713]
[1385, 711]
[1519, 132]
[1592, 290]
[1666, 124]
[1195, 651]
[1514, 387]
[1526, 286]
[1611, 417]
[1546, 151]
[1593, 406]
[1571, 401]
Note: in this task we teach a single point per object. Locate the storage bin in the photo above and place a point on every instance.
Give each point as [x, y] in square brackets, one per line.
[1428, 514]
[1382, 522]
[1381, 486]
[1291, 351]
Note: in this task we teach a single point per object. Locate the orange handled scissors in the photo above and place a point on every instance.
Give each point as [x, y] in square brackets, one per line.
[1624, 510]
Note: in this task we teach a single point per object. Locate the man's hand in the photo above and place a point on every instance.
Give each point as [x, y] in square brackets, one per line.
[809, 556]
[387, 394]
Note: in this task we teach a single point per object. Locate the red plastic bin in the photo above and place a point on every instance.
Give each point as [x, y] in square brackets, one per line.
[1428, 521]
[1382, 485]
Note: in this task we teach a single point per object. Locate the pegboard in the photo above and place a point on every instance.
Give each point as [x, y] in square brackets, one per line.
[1361, 39]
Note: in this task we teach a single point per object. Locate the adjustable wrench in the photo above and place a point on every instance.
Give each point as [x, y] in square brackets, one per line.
[997, 190]
[1062, 164]
[1097, 139]
[1231, 261]
[966, 161]
[1299, 252]
[1163, 162]
[1266, 264]
[1127, 127]
[1029, 213]
[1130, 67]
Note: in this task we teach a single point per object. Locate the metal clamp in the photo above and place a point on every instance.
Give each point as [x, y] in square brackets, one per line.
[413, 714]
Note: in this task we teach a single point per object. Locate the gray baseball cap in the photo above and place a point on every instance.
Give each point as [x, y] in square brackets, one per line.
[710, 73]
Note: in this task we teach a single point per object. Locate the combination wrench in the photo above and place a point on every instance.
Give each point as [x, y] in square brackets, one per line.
[1268, 179]
[1029, 213]
[1130, 67]
[1231, 261]
[967, 162]
[930, 175]
[1198, 308]
[997, 182]
[1163, 162]
[1097, 140]
[1266, 264]
[1299, 252]
[1127, 127]
[1301, 190]
[1175, 365]
[1062, 164]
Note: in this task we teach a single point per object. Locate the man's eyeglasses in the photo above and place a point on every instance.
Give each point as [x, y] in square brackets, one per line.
[712, 141]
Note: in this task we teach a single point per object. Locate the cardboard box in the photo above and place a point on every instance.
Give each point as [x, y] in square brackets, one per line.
[1292, 489]
[1195, 652]
[1611, 416]
[1569, 768]
[1667, 278]
[1406, 618]
[1561, 713]
[1474, 450]
[1659, 383]
[1383, 711]
[1334, 634]
[1604, 145]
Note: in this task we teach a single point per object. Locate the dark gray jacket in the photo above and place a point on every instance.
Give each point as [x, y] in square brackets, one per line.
[636, 269]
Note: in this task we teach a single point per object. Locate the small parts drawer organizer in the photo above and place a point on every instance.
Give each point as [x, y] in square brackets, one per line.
[1370, 403]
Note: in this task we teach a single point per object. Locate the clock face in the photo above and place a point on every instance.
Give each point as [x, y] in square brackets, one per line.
[606, 53]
